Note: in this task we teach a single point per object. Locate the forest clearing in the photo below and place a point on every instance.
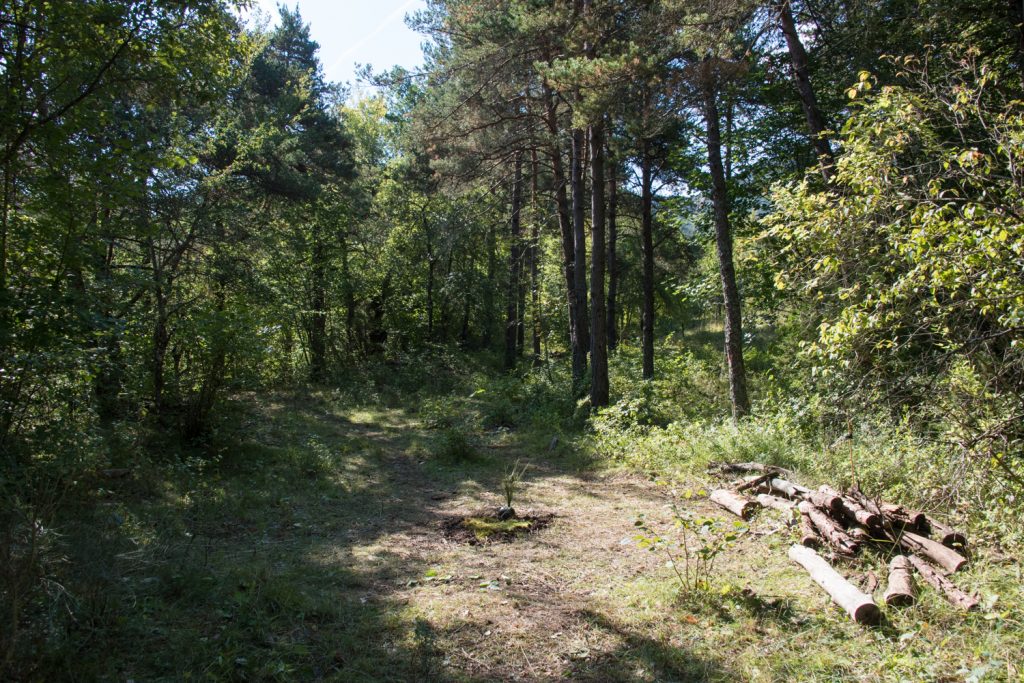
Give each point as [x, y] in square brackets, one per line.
[618, 340]
[314, 547]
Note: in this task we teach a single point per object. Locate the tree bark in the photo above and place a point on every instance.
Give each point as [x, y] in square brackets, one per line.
[808, 534]
[788, 488]
[514, 269]
[949, 559]
[534, 258]
[492, 275]
[802, 77]
[647, 256]
[723, 241]
[576, 179]
[598, 341]
[955, 596]
[947, 535]
[612, 324]
[739, 505]
[781, 504]
[565, 226]
[900, 589]
[861, 608]
[830, 530]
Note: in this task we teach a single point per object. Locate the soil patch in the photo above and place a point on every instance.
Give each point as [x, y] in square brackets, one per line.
[484, 527]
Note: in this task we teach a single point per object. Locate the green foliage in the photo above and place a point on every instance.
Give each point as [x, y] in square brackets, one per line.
[512, 483]
[455, 446]
[912, 271]
[693, 547]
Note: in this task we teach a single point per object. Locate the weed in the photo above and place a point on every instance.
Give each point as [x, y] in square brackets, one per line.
[454, 446]
[700, 542]
[511, 484]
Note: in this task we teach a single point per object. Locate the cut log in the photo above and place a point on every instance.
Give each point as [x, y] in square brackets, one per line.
[900, 591]
[859, 534]
[915, 521]
[861, 608]
[870, 582]
[808, 535]
[744, 467]
[947, 558]
[754, 482]
[857, 496]
[788, 489]
[856, 513]
[946, 535]
[770, 501]
[827, 498]
[740, 506]
[944, 585]
[830, 530]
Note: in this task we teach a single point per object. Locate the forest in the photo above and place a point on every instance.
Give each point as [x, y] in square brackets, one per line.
[625, 340]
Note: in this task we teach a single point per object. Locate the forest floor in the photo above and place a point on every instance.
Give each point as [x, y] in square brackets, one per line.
[317, 552]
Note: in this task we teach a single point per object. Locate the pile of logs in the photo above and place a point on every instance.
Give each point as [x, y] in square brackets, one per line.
[842, 524]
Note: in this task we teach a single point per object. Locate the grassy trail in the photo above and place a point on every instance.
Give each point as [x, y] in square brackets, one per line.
[316, 552]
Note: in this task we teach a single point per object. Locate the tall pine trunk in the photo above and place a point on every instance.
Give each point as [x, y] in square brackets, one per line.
[534, 258]
[565, 226]
[579, 360]
[647, 256]
[514, 269]
[598, 340]
[492, 274]
[802, 77]
[612, 325]
[723, 242]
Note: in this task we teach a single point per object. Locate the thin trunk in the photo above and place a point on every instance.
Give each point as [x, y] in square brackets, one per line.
[492, 273]
[5, 210]
[521, 295]
[565, 226]
[431, 268]
[318, 312]
[598, 340]
[647, 256]
[579, 235]
[613, 257]
[514, 269]
[464, 333]
[535, 259]
[161, 338]
[729, 110]
[815, 120]
[723, 242]
[109, 376]
[349, 293]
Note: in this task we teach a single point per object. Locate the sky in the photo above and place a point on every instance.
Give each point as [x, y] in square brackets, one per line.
[358, 31]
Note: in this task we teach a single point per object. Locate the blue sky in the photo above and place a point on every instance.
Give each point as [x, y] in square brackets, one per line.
[358, 31]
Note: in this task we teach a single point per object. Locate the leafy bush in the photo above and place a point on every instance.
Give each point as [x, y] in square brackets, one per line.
[911, 271]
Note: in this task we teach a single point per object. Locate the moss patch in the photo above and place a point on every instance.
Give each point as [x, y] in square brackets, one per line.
[484, 528]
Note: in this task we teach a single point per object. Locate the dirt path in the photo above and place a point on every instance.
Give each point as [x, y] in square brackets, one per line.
[553, 604]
